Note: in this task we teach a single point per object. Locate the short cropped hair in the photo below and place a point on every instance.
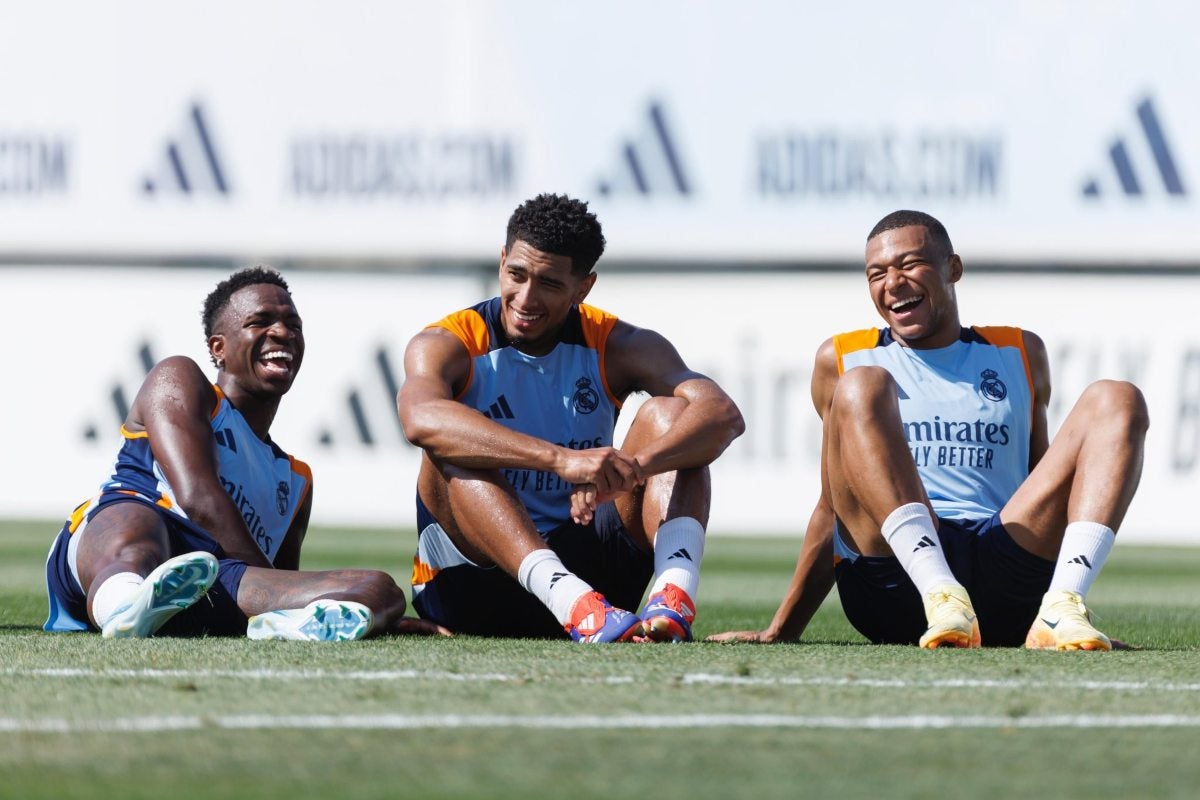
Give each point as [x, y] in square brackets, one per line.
[218, 298]
[905, 218]
[555, 223]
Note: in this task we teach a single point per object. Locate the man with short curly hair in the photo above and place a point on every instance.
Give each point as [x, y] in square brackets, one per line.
[531, 521]
[198, 528]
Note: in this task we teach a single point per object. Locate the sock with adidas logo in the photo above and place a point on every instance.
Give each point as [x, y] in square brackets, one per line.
[912, 535]
[678, 548]
[544, 576]
[1085, 548]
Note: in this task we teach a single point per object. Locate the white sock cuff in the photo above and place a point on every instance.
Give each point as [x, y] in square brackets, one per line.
[909, 512]
[114, 593]
[1091, 532]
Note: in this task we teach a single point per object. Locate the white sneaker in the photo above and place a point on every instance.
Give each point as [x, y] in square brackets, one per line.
[174, 585]
[1064, 623]
[319, 621]
[951, 617]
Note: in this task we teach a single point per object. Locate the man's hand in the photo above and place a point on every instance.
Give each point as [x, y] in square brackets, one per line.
[607, 468]
[599, 475]
[420, 627]
[752, 637]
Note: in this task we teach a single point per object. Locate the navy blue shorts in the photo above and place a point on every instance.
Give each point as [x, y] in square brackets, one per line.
[215, 614]
[1005, 581]
[488, 602]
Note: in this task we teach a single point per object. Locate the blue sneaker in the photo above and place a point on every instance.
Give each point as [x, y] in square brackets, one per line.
[594, 620]
[174, 585]
[319, 621]
[668, 615]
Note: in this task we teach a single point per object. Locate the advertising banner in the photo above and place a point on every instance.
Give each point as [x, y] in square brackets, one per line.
[81, 342]
[756, 132]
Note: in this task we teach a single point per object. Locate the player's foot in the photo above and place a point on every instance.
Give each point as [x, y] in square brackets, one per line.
[174, 585]
[1064, 623]
[951, 619]
[668, 615]
[594, 620]
[319, 621]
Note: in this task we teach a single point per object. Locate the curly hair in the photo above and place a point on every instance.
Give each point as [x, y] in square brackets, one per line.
[905, 218]
[555, 223]
[218, 298]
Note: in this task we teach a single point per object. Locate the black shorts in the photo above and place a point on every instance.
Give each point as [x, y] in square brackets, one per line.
[1005, 582]
[488, 602]
[215, 614]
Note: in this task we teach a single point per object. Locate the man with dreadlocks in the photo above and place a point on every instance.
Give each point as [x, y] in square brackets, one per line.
[530, 520]
[198, 528]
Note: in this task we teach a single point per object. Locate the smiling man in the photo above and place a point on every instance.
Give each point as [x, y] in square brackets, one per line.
[947, 518]
[531, 522]
[198, 529]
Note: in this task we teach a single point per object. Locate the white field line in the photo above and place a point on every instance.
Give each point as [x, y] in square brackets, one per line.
[691, 679]
[586, 722]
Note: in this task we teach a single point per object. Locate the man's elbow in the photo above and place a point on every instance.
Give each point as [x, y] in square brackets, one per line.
[731, 419]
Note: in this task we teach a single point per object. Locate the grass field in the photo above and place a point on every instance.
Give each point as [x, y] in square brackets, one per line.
[464, 717]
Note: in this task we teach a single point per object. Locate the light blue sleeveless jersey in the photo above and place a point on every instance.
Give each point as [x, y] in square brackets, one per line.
[561, 397]
[266, 484]
[967, 412]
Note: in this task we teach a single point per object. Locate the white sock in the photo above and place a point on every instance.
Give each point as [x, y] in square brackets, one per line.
[678, 548]
[543, 575]
[1085, 548]
[910, 532]
[115, 593]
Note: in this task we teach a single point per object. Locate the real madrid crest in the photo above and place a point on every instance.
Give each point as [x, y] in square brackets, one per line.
[991, 386]
[585, 399]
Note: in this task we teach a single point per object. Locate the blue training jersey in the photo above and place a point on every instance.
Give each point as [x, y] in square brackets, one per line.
[267, 485]
[562, 397]
[967, 411]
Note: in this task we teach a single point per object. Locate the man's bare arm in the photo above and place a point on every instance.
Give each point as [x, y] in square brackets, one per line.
[174, 406]
[437, 366]
[640, 359]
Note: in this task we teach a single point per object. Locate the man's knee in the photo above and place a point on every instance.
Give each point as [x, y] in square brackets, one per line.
[862, 388]
[656, 416]
[1120, 402]
[385, 595]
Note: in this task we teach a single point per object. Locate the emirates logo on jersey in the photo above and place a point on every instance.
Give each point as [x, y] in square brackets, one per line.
[991, 386]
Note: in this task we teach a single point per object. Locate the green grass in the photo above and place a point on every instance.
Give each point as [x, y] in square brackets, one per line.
[1147, 596]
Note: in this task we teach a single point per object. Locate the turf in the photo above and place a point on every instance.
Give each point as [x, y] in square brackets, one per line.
[469, 717]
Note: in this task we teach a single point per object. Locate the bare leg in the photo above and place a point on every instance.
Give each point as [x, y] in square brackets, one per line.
[876, 492]
[263, 590]
[481, 514]
[869, 468]
[681, 493]
[667, 516]
[123, 537]
[1089, 473]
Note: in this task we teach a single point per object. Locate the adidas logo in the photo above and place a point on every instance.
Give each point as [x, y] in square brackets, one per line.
[681, 553]
[650, 163]
[225, 439]
[925, 542]
[556, 577]
[1081, 559]
[1125, 157]
[190, 164]
[499, 410]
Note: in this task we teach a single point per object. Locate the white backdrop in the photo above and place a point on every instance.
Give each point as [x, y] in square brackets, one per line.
[760, 130]
[76, 338]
